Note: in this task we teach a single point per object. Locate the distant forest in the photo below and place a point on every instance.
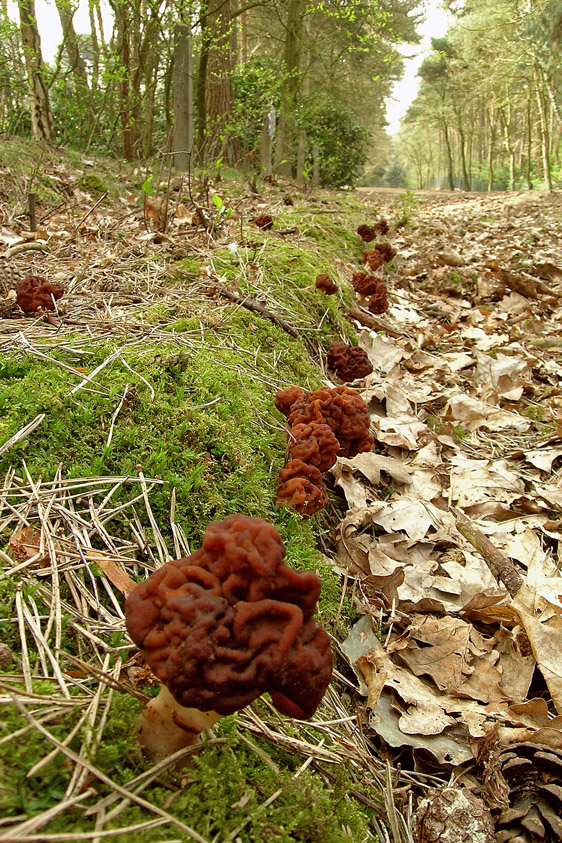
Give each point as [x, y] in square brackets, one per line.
[297, 89]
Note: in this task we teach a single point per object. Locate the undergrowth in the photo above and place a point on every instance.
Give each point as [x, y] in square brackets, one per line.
[196, 409]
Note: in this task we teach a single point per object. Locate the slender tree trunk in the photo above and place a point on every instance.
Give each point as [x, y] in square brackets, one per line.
[450, 171]
[544, 133]
[491, 141]
[183, 97]
[215, 98]
[529, 145]
[40, 112]
[76, 63]
[285, 149]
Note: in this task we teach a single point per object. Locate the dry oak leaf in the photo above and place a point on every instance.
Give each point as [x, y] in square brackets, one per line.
[475, 414]
[25, 544]
[114, 572]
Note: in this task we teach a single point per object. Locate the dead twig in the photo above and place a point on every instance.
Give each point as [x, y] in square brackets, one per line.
[501, 567]
[257, 307]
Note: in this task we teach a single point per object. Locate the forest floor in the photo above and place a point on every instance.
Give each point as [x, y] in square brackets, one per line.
[144, 408]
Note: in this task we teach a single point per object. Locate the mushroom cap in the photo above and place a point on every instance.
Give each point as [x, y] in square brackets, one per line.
[326, 284]
[365, 284]
[301, 487]
[315, 444]
[378, 302]
[232, 621]
[343, 410]
[34, 292]
[285, 398]
[348, 362]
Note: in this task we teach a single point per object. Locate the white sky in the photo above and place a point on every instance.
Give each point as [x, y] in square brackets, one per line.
[404, 92]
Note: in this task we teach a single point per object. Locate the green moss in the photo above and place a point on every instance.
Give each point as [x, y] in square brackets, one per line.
[199, 413]
[93, 184]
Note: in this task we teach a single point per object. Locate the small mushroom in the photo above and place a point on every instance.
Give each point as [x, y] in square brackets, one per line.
[343, 410]
[326, 284]
[378, 302]
[348, 362]
[315, 444]
[263, 221]
[301, 487]
[223, 626]
[35, 292]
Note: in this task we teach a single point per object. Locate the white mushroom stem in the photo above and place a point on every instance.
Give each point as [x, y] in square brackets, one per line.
[167, 726]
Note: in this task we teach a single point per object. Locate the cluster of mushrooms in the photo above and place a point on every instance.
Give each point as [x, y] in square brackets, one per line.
[323, 425]
[232, 621]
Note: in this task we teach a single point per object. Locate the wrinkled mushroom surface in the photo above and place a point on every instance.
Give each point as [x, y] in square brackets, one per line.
[263, 221]
[315, 444]
[343, 410]
[378, 302]
[301, 487]
[285, 398]
[233, 621]
[348, 362]
[326, 285]
[35, 292]
[363, 284]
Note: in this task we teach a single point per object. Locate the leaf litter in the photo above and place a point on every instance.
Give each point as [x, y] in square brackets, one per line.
[466, 408]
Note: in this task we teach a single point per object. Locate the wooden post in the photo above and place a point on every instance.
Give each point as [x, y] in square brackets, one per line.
[183, 97]
[315, 167]
[301, 155]
[267, 135]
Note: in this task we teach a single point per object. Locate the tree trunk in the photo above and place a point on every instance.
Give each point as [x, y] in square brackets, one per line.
[183, 97]
[529, 145]
[544, 133]
[450, 172]
[40, 112]
[215, 98]
[491, 139]
[76, 63]
[285, 149]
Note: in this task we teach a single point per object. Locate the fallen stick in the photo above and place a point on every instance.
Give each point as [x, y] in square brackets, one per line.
[499, 564]
[256, 306]
[372, 322]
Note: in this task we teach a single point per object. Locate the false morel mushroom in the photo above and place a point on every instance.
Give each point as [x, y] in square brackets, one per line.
[315, 444]
[326, 285]
[381, 254]
[301, 487]
[343, 410]
[363, 284]
[33, 293]
[348, 362]
[378, 302]
[263, 221]
[223, 626]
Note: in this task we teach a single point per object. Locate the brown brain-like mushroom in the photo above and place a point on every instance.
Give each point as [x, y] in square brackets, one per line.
[363, 284]
[223, 626]
[381, 254]
[326, 285]
[314, 444]
[301, 487]
[386, 250]
[263, 221]
[378, 302]
[285, 398]
[34, 292]
[367, 232]
[343, 410]
[373, 259]
[348, 362]
[381, 227]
